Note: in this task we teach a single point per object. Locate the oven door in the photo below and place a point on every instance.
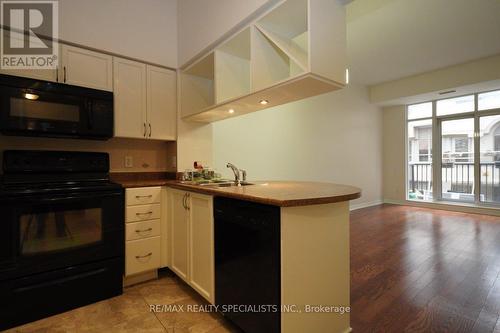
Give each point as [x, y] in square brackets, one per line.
[53, 231]
[53, 113]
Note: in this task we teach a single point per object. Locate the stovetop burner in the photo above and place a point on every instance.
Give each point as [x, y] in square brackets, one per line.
[33, 172]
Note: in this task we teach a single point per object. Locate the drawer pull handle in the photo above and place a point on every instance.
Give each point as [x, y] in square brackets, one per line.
[143, 196]
[142, 257]
[147, 213]
[145, 230]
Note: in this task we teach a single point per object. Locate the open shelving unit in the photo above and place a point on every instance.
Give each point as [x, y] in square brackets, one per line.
[293, 51]
[197, 86]
[281, 44]
[232, 63]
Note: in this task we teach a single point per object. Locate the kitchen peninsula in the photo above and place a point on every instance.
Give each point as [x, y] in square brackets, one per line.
[309, 249]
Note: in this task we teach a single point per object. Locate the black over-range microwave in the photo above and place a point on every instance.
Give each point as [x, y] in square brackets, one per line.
[31, 107]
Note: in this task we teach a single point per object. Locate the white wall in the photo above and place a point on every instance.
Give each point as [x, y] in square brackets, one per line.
[336, 137]
[478, 75]
[146, 29]
[194, 143]
[394, 142]
[202, 22]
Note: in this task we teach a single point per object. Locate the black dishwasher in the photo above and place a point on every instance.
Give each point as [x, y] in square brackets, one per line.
[247, 264]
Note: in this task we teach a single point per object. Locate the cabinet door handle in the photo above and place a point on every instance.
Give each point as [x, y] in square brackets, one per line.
[147, 213]
[145, 256]
[143, 196]
[57, 74]
[144, 230]
[187, 197]
[64, 73]
[150, 131]
[144, 130]
[184, 201]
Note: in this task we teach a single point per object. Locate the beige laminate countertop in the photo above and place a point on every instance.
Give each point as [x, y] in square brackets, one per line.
[277, 193]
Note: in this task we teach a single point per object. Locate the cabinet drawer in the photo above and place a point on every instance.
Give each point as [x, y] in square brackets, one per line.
[142, 255]
[142, 213]
[142, 195]
[140, 230]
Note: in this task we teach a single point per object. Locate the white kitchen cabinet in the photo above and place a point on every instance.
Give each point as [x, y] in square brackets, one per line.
[192, 253]
[145, 100]
[146, 233]
[85, 68]
[142, 255]
[201, 244]
[130, 98]
[39, 74]
[161, 103]
[179, 223]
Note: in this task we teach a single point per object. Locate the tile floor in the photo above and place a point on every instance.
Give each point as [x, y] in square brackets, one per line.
[130, 312]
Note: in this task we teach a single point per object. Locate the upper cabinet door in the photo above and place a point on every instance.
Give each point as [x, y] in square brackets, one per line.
[39, 74]
[86, 68]
[130, 98]
[162, 103]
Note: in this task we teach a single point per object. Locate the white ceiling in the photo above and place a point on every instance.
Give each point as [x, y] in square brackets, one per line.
[391, 39]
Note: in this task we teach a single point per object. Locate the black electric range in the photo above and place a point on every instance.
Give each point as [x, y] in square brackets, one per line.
[62, 244]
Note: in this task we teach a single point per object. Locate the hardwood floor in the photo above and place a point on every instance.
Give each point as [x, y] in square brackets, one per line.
[424, 270]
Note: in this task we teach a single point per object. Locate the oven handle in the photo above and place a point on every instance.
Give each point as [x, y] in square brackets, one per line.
[73, 197]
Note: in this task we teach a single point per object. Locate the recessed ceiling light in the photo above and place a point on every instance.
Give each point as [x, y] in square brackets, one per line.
[231, 111]
[264, 102]
[31, 96]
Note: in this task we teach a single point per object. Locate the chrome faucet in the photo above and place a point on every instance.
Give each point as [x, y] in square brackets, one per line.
[236, 172]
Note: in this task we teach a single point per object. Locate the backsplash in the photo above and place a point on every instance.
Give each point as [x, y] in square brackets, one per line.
[147, 155]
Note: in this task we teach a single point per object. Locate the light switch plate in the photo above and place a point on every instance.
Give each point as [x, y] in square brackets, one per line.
[129, 162]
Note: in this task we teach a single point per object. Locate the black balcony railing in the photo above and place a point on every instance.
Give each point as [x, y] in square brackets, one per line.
[457, 177]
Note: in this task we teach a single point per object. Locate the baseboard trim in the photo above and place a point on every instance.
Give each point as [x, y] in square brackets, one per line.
[140, 277]
[446, 206]
[365, 205]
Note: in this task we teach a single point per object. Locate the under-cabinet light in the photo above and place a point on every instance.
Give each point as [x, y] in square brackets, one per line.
[231, 111]
[264, 102]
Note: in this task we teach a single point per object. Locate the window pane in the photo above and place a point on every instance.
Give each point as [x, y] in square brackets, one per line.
[420, 159]
[455, 105]
[457, 160]
[490, 158]
[423, 110]
[488, 101]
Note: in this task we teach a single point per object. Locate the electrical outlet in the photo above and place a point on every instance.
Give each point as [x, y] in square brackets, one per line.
[129, 162]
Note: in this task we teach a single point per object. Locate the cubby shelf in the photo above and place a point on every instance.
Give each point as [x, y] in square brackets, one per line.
[293, 51]
[197, 86]
[233, 71]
